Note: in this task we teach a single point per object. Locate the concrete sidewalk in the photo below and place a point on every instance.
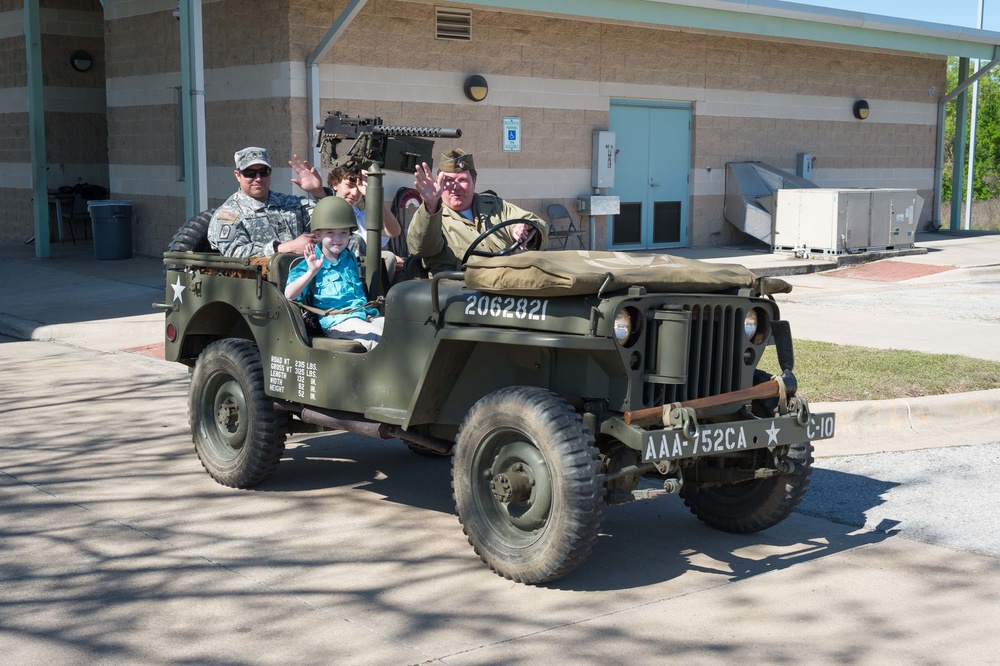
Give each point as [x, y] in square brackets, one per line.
[74, 299]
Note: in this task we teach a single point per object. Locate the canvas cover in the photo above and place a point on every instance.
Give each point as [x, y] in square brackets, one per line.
[571, 273]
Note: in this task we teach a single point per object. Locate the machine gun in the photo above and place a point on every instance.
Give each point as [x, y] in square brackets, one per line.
[377, 147]
[393, 147]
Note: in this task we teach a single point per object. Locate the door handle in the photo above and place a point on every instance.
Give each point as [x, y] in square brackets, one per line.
[652, 184]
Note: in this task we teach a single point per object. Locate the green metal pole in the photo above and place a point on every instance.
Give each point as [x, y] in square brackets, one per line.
[958, 169]
[36, 123]
[373, 231]
[187, 114]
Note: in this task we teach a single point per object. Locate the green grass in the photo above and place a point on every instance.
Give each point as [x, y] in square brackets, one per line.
[829, 372]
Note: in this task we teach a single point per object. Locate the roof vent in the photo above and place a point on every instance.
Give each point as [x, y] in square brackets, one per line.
[451, 23]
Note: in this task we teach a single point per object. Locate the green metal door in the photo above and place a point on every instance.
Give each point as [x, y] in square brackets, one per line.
[651, 175]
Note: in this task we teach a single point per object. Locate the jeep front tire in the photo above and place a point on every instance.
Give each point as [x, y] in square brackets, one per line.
[527, 484]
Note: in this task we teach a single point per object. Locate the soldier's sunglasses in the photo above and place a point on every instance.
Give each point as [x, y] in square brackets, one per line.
[252, 172]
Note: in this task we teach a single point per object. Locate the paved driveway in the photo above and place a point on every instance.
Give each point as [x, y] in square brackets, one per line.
[115, 547]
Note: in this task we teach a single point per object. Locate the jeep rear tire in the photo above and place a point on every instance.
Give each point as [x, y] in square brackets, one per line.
[527, 484]
[755, 505]
[238, 435]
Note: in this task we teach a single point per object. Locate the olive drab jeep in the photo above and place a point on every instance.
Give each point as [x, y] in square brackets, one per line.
[560, 383]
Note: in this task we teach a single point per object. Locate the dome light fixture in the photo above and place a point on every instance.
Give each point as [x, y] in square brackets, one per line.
[81, 61]
[861, 109]
[476, 88]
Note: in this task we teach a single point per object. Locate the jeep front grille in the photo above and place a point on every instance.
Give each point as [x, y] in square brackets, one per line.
[714, 354]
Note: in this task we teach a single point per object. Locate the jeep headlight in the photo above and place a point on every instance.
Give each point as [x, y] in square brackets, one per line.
[755, 326]
[623, 326]
[750, 323]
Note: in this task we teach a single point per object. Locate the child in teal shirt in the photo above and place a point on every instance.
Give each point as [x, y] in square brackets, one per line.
[330, 277]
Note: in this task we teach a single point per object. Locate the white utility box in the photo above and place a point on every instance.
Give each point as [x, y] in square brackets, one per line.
[838, 221]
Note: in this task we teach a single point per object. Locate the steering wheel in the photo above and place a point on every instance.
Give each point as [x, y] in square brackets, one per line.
[472, 251]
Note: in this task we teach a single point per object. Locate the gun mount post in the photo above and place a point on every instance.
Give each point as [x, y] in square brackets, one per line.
[373, 233]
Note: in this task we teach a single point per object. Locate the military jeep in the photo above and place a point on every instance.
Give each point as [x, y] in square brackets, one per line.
[559, 383]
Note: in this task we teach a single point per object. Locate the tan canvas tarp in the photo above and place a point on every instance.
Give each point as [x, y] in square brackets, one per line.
[569, 273]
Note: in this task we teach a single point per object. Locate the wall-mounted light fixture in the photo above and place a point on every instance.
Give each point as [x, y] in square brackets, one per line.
[861, 109]
[81, 61]
[476, 88]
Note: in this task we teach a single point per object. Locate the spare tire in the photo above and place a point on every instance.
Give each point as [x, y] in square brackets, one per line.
[193, 234]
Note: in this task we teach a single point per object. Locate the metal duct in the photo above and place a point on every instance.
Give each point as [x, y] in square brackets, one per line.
[749, 203]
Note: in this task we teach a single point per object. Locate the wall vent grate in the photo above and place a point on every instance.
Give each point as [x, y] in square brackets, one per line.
[451, 23]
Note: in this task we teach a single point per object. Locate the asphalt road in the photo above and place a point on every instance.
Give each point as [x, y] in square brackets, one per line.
[943, 496]
[973, 301]
[932, 317]
[116, 547]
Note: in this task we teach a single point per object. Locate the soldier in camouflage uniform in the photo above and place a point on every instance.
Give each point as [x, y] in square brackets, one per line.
[257, 221]
[452, 215]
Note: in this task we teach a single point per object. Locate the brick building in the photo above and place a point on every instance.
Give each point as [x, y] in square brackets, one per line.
[687, 86]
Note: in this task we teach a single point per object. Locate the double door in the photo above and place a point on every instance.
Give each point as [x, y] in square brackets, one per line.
[652, 168]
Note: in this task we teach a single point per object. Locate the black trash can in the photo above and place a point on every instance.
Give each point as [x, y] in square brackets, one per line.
[112, 222]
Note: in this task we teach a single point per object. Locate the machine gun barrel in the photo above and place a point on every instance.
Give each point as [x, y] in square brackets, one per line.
[412, 130]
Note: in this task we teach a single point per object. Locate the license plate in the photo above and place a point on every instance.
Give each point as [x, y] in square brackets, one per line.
[723, 438]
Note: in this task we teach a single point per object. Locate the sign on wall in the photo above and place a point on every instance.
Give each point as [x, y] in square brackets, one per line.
[511, 134]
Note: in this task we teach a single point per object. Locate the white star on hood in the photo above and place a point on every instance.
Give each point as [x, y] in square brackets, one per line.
[178, 290]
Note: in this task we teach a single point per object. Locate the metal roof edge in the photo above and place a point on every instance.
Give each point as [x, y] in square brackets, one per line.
[775, 18]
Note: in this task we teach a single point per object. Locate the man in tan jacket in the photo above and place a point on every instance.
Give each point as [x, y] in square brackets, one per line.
[452, 215]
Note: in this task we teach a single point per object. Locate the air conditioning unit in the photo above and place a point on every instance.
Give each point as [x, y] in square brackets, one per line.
[838, 221]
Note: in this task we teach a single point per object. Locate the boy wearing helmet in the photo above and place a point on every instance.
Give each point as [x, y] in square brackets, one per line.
[329, 278]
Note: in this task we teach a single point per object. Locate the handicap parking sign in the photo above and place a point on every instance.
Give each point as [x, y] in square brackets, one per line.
[512, 134]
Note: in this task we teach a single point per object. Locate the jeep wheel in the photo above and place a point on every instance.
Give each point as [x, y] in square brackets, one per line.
[527, 484]
[237, 433]
[756, 505]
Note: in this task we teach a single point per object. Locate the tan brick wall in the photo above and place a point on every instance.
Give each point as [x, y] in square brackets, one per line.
[514, 45]
[232, 125]
[143, 135]
[16, 215]
[838, 145]
[13, 63]
[14, 145]
[156, 221]
[76, 138]
[57, 71]
[240, 34]
[144, 44]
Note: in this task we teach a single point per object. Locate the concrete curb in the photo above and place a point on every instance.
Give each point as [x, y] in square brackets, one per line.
[24, 329]
[924, 422]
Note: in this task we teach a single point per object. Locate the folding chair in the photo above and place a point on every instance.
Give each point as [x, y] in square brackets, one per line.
[78, 211]
[563, 234]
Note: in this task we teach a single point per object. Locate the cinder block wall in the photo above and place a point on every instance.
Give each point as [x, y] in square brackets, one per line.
[76, 134]
[752, 100]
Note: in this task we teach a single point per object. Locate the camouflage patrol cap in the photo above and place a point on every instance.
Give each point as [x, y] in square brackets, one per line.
[333, 213]
[456, 161]
[250, 156]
